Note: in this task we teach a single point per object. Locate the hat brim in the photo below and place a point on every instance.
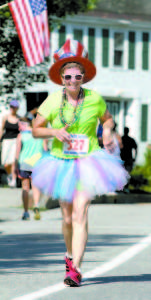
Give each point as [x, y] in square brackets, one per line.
[89, 67]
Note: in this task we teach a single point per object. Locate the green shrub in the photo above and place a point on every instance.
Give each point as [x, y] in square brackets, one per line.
[141, 175]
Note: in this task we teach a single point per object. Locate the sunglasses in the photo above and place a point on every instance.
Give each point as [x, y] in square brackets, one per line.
[76, 77]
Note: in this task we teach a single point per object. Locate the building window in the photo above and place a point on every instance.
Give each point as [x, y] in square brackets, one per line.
[114, 109]
[144, 122]
[78, 35]
[131, 60]
[145, 51]
[118, 49]
[91, 44]
[105, 47]
[62, 36]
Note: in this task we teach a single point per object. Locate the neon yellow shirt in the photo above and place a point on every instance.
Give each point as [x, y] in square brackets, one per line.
[93, 108]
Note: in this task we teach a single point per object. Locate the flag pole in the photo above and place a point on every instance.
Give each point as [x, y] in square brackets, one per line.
[3, 6]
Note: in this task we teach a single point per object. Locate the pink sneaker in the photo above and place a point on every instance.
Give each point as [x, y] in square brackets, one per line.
[68, 262]
[73, 278]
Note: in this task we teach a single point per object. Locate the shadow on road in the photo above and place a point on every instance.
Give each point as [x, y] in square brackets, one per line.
[117, 279]
[105, 240]
[29, 251]
[20, 253]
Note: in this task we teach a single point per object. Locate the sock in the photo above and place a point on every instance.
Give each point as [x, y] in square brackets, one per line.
[78, 269]
[68, 255]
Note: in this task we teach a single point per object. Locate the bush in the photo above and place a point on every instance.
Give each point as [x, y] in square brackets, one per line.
[141, 175]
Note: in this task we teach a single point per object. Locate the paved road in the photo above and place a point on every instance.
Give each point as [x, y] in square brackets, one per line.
[117, 263]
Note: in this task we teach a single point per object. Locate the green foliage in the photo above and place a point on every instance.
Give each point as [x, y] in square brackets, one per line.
[92, 4]
[143, 173]
[18, 75]
[61, 8]
[4, 12]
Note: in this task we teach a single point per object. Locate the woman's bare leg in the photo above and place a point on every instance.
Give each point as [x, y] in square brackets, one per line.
[8, 169]
[36, 196]
[66, 209]
[80, 227]
[13, 171]
[25, 192]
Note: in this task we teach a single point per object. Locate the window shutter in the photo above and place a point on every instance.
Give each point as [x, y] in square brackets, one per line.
[91, 44]
[62, 36]
[145, 51]
[105, 47]
[118, 48]
[131, 62]
[78, 34]
[144, 122]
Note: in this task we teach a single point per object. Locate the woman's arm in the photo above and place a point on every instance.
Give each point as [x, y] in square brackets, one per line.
[18, 149]
[3, 126]
[41, 131]
[45, 144]
[107, 120]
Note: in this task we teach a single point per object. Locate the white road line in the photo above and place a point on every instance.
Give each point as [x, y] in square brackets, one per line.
[115, 262]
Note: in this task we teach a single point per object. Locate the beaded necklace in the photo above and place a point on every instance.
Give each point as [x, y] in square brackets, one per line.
[76, 112]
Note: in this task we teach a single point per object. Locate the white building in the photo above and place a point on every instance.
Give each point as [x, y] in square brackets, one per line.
[120, 47]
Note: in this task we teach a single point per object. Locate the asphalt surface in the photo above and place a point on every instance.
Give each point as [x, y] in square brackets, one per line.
[117, 262]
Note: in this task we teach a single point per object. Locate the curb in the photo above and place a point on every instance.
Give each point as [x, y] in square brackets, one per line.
[110, 199]
[123, 199]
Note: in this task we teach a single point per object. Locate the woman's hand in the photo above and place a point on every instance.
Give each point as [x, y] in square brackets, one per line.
[62, 135]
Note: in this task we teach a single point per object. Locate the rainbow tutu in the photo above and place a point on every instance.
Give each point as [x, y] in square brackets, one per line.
[96, 174]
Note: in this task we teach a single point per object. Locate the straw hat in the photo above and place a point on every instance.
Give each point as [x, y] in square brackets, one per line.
[71, 51]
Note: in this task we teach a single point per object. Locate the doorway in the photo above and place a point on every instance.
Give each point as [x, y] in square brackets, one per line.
[34, 99]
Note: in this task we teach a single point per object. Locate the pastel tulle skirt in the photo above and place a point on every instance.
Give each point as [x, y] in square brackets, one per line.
[96, 174]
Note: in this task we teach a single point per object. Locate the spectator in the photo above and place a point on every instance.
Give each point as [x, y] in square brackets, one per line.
[117, 139]
[8, 135]
[28, 151]
[129, 150]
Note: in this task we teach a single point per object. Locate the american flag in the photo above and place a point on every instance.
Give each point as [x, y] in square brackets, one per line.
[31, 21]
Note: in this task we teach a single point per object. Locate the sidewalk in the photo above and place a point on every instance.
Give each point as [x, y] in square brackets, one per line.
[12, 198]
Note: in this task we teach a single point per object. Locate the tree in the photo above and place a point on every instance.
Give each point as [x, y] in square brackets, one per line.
[17, 74]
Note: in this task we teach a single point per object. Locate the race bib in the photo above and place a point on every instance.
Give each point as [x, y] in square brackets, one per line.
[78, 144]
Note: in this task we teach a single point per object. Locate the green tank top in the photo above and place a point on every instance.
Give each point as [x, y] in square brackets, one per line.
[31, 148]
